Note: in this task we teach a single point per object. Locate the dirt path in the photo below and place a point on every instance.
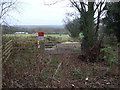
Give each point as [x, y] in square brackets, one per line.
[65, 48]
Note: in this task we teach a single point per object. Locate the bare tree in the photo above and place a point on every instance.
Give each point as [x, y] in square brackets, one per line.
[5, 7]
[90, 12]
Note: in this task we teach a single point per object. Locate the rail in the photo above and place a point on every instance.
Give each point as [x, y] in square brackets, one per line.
[6, 50]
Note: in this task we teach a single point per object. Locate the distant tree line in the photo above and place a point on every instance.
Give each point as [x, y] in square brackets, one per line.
[12, 30]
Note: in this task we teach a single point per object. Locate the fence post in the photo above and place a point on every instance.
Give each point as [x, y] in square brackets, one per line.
[0, 55]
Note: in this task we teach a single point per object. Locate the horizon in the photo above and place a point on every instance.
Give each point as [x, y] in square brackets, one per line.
[37, 25]
[41, 26]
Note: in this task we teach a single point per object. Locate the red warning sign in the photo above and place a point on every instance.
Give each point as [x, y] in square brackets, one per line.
[41, 34]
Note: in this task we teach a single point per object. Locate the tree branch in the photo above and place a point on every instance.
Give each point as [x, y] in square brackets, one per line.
[53, 2]
[100, 10]
[75, 5]
[5, 7]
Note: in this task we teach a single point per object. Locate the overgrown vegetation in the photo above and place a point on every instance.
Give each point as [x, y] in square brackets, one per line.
[112, 21]
[31, 67]
[110, 55]
[74, 27]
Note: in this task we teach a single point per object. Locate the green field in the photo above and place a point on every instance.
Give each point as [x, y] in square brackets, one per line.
[63, 36]
[20, 35]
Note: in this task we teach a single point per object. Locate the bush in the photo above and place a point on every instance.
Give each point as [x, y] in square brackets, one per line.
[51, 39]
[92, 54]
[109, 54]
[110, 39]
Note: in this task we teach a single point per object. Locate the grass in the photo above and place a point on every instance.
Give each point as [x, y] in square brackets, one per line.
[76, 73]
[54, 60]
[24, 62]
[20, 35]
[45, 75]
[49, 70]
[30, 67]
[24, 57]
[81, 73]
[63, 37]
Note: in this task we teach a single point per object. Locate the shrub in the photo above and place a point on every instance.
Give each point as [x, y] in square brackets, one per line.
[109, 54]
[110, 39]
[51, 39]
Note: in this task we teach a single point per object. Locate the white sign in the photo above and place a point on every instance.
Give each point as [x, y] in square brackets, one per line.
[40, 38]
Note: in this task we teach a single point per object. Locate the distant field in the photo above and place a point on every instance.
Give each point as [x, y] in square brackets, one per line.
[29, 35]
[20, 35]
[63, 36]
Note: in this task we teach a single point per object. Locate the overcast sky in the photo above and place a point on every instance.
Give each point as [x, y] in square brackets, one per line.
[34, 12]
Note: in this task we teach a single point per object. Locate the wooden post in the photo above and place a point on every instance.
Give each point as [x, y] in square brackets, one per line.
[42, 46]
[0, 55]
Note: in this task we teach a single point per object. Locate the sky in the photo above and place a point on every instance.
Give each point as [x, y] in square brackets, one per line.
[35, 12]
